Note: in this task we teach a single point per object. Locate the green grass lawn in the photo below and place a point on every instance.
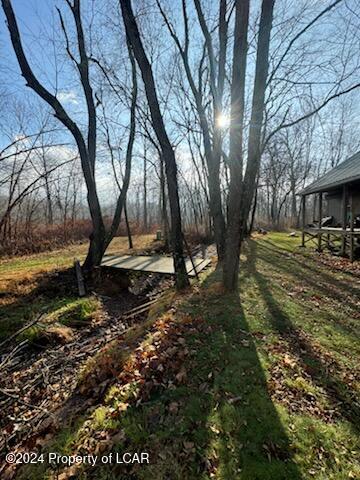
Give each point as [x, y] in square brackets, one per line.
[261, 385]
[26, 292]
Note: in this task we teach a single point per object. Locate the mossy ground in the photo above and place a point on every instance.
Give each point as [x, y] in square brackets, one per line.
[25, 290]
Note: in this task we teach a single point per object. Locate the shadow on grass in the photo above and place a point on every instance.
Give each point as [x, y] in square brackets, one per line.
[307, 264]
[217, 416]
[322, 373]
[200, 407]
[319, 282]
[253, 442]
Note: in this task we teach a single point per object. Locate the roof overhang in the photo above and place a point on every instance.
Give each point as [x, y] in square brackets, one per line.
[313, 188]
[343, 174]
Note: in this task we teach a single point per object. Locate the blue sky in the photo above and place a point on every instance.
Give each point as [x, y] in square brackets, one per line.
[36, 19]
[32, 16]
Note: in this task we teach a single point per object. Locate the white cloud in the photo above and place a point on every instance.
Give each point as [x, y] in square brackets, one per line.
[67, 97]
[62, 152]
[19, 137]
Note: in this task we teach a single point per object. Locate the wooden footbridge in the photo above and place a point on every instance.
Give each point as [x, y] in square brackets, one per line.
[153, 263]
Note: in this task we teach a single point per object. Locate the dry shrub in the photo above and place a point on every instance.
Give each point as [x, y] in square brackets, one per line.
[40, 237]
[200, 236]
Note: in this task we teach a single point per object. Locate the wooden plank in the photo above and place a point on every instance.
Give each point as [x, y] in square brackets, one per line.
[191, 258]
[339, 230]
[201, 263]
[153, 263]
[79, 278]
[312, 238]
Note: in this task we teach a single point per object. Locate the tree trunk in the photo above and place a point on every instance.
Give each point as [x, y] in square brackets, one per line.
[246, 189]
[164, 215]
[145, 214]
[49, 207]
[216, 209]
[294, 212]
[137, 204]
[161, 134]
[231, 265]
[128, 231]
[253, 213]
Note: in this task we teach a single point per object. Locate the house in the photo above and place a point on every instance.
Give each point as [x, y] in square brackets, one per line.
[337, 226]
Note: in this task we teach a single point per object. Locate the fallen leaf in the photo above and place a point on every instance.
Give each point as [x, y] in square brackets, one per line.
[122, 406]
[173, 407]
[214, 429]
[181, 376]
[188, 445]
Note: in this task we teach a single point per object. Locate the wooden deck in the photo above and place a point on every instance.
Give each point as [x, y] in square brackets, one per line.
[152, 263]
[335, 239]
[339, 230]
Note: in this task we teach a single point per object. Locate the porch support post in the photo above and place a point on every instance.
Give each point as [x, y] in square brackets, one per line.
[351, 226]
[303, 217]
[320, 218]
[344, 203]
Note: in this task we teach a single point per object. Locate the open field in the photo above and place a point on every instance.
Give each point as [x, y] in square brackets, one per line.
[259, 385]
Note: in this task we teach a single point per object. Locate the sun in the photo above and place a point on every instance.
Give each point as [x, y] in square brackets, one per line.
[223, 120]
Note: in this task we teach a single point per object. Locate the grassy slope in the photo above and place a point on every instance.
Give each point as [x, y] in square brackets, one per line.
[42, 262]
[262, 388]
[23, 293]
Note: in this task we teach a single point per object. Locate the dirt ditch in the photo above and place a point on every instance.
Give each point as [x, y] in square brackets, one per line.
[38, 378]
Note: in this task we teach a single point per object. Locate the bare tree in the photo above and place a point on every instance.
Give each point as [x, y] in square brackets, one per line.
[99, 238]
[231, 266]
[212, 144]
[248, 184]
[160, 131]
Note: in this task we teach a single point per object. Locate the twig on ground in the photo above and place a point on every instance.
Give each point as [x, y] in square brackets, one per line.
[14, 335]
[12, 353]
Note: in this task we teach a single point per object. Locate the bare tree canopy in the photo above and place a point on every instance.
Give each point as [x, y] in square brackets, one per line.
[219, 134]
